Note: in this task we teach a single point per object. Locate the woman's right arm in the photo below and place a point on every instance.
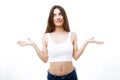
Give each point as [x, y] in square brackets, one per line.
[43, 55]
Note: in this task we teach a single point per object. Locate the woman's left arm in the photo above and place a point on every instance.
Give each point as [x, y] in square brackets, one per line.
[78, 52]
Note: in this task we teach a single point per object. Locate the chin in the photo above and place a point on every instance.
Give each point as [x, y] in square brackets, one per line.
[59, 25]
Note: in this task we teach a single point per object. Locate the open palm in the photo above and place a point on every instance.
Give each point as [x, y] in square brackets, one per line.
[24, 43]
[92, 40]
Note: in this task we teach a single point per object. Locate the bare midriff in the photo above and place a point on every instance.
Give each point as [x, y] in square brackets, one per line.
[61, 68]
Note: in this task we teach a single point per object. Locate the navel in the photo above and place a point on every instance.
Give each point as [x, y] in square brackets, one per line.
[61, 69]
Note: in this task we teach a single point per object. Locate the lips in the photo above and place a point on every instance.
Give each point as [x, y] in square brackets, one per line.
[58, 21]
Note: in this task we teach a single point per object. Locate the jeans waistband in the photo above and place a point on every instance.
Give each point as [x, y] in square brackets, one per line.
[69, 74]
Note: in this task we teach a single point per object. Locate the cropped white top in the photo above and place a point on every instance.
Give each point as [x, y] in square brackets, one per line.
[60, 52]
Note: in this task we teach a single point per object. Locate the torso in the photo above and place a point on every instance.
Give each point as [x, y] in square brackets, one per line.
[60, 68]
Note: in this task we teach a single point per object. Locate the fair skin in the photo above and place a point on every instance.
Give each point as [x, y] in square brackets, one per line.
[59, 68]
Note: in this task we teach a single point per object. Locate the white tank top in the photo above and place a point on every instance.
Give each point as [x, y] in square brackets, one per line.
[60, 52]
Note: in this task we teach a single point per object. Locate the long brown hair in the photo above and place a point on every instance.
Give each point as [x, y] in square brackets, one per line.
[50, 25]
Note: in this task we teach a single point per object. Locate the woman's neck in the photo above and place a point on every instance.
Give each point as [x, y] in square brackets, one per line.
[59, 29]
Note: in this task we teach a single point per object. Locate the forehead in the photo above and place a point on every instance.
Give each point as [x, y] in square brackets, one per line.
[56, 10]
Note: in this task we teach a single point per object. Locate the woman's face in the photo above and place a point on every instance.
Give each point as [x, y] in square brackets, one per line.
[58, 18]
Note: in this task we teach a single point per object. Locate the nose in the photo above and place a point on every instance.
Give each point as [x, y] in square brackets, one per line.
[57, 16]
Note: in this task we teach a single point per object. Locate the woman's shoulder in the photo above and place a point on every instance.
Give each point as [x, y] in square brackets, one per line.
[45, 37]
[73, 33]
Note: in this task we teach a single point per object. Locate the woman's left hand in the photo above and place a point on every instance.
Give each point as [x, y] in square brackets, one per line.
[92, 40]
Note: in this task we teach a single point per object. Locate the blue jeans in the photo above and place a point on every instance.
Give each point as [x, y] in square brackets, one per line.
[70, 76]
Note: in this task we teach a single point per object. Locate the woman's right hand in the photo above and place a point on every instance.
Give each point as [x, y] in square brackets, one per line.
[24, 43]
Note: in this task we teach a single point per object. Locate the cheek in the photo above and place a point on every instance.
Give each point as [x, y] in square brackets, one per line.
[61, 17]
[54, 18]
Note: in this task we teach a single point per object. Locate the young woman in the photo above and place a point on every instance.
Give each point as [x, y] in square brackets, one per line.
[59, 46]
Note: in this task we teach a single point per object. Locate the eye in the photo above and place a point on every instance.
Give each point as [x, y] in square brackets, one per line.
[54, 14]
[60, 14]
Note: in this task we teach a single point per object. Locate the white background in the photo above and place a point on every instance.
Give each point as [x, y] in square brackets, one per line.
[20, 19]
